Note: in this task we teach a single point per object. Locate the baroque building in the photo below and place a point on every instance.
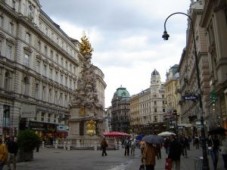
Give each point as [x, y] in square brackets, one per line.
[173, 110]
[214, 20]
[147, 108]
[120, 110]
[39, 69]
[194, 84]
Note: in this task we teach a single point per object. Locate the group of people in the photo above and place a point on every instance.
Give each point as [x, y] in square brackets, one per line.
[8, 152]
[177, 146]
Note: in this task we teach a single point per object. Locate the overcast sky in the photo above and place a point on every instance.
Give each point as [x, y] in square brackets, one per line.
[126, 36]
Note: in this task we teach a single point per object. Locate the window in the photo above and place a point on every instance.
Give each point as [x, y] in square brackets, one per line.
[66, 64]
[51, 54]
[37, 90]
[155, 110]
[9, 53]
[45, 70]
[38, 66]
[49, 116]
[1, 21]
[66, 81]
[57, 58]
[28, 37]
[7, 81]
[39, 45]
[45, 50]
[51, 73]
[60, 98]
[56, 97]
[42, 116]
[26, 86]
[62, 78]
[26, 59]
[50, 95]
[0, 46]
[11, 28]
[56, 76]
[44, 93]
[155, 102]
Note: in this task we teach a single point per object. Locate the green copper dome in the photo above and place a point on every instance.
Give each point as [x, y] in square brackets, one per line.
[121, 93]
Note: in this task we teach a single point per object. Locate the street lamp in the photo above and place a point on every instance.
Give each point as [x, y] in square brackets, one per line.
[165, 36]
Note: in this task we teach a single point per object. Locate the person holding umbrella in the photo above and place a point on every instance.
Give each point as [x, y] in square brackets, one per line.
[148, 156]
[149, 151]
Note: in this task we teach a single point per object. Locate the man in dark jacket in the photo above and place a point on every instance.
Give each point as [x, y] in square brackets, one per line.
[175, 151]
[12, 149]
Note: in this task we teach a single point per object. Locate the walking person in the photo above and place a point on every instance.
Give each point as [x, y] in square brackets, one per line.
[175, 151]
[3, 154]
[127, 144]
[224, 151]
[215, 150]
[133, 146]
[12, 147]
[104, 145]
[148, 156]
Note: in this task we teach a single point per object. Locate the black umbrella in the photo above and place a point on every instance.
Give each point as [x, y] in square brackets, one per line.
[152, 139]
[217, 131]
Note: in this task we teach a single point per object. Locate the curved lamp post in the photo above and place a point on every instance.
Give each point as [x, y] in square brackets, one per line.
[165, 36]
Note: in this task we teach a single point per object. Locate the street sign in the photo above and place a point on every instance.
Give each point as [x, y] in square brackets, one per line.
[191, 97]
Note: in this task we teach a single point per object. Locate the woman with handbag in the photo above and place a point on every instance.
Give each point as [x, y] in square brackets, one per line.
[3, 154]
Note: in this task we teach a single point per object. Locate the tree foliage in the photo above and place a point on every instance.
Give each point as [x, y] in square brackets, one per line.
[28, 140]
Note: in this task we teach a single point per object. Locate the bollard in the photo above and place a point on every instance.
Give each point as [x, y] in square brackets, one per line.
[64, 145]
[56, 144]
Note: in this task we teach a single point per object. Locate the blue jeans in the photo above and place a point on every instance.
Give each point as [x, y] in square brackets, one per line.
[214, 157]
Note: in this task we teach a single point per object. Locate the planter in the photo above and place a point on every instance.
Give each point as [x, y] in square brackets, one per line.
[25, 156]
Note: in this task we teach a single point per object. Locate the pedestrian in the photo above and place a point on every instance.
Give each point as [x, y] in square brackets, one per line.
[166, 145]
[133, 146]
[104, 145]
[148, 156]
[184, 144]
[142, 146]
[3, 154]
[175, 150]
[127, 144]
[224, 151]
[215, 150]
[158, 151]
[12, 147]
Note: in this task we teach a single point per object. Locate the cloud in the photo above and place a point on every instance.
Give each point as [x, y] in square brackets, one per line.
[126, 36]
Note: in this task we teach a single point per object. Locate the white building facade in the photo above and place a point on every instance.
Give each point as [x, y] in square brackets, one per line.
[39, 68]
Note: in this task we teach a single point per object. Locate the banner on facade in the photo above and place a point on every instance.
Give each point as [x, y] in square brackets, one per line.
[28, 111]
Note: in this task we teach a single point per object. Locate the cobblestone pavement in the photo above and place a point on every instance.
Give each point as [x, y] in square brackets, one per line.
[59, 159]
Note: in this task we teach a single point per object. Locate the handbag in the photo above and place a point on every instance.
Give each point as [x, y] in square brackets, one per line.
[168, 164]
[142, 167]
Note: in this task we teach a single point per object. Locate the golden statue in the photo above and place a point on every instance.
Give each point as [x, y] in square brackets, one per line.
[91, 127]
[85, 46]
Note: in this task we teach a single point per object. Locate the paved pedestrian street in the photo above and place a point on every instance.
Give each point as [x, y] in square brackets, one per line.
[59, 159]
